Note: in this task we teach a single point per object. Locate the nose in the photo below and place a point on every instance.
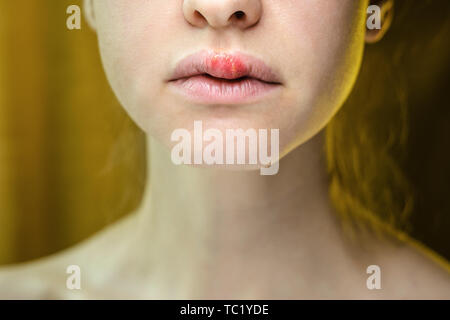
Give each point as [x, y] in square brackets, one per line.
[219, 14]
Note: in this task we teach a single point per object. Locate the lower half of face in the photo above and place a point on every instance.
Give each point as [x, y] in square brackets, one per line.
[263, 65]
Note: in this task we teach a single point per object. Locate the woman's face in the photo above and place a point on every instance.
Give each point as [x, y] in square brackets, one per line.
[300, 60]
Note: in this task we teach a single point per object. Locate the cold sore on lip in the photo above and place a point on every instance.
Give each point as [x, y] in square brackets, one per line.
[230, 66]
[223, 78]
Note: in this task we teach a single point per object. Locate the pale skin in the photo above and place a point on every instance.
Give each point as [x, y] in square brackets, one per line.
[207, 233]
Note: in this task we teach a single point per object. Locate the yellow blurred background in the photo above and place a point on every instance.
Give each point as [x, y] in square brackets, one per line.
[58, 124]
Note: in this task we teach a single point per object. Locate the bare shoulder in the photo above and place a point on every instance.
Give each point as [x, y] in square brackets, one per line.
[410, 270]
[46, 278]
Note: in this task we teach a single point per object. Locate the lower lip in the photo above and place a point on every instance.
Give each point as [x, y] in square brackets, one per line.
[208, 90]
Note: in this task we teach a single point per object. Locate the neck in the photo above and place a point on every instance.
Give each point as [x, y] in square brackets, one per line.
[206, 230]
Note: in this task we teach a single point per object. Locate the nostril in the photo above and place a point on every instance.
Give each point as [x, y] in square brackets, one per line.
[199, 16]
[239, 15]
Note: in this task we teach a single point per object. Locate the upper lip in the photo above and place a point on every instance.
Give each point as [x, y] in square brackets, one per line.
[223, 65]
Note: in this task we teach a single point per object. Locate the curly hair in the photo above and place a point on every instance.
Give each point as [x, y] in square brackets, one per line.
[367, 140]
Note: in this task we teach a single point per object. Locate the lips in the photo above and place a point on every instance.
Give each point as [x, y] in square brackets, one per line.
[217, 77]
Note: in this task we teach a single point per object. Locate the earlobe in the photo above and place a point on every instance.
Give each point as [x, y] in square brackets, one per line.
[89, 13]
[379, 19]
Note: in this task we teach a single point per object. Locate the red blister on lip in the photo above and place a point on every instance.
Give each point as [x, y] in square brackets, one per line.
[228, 66]
[216, 77]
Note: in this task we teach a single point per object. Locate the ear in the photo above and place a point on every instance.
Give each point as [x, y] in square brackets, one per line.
[385, 8]
[89, 13]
